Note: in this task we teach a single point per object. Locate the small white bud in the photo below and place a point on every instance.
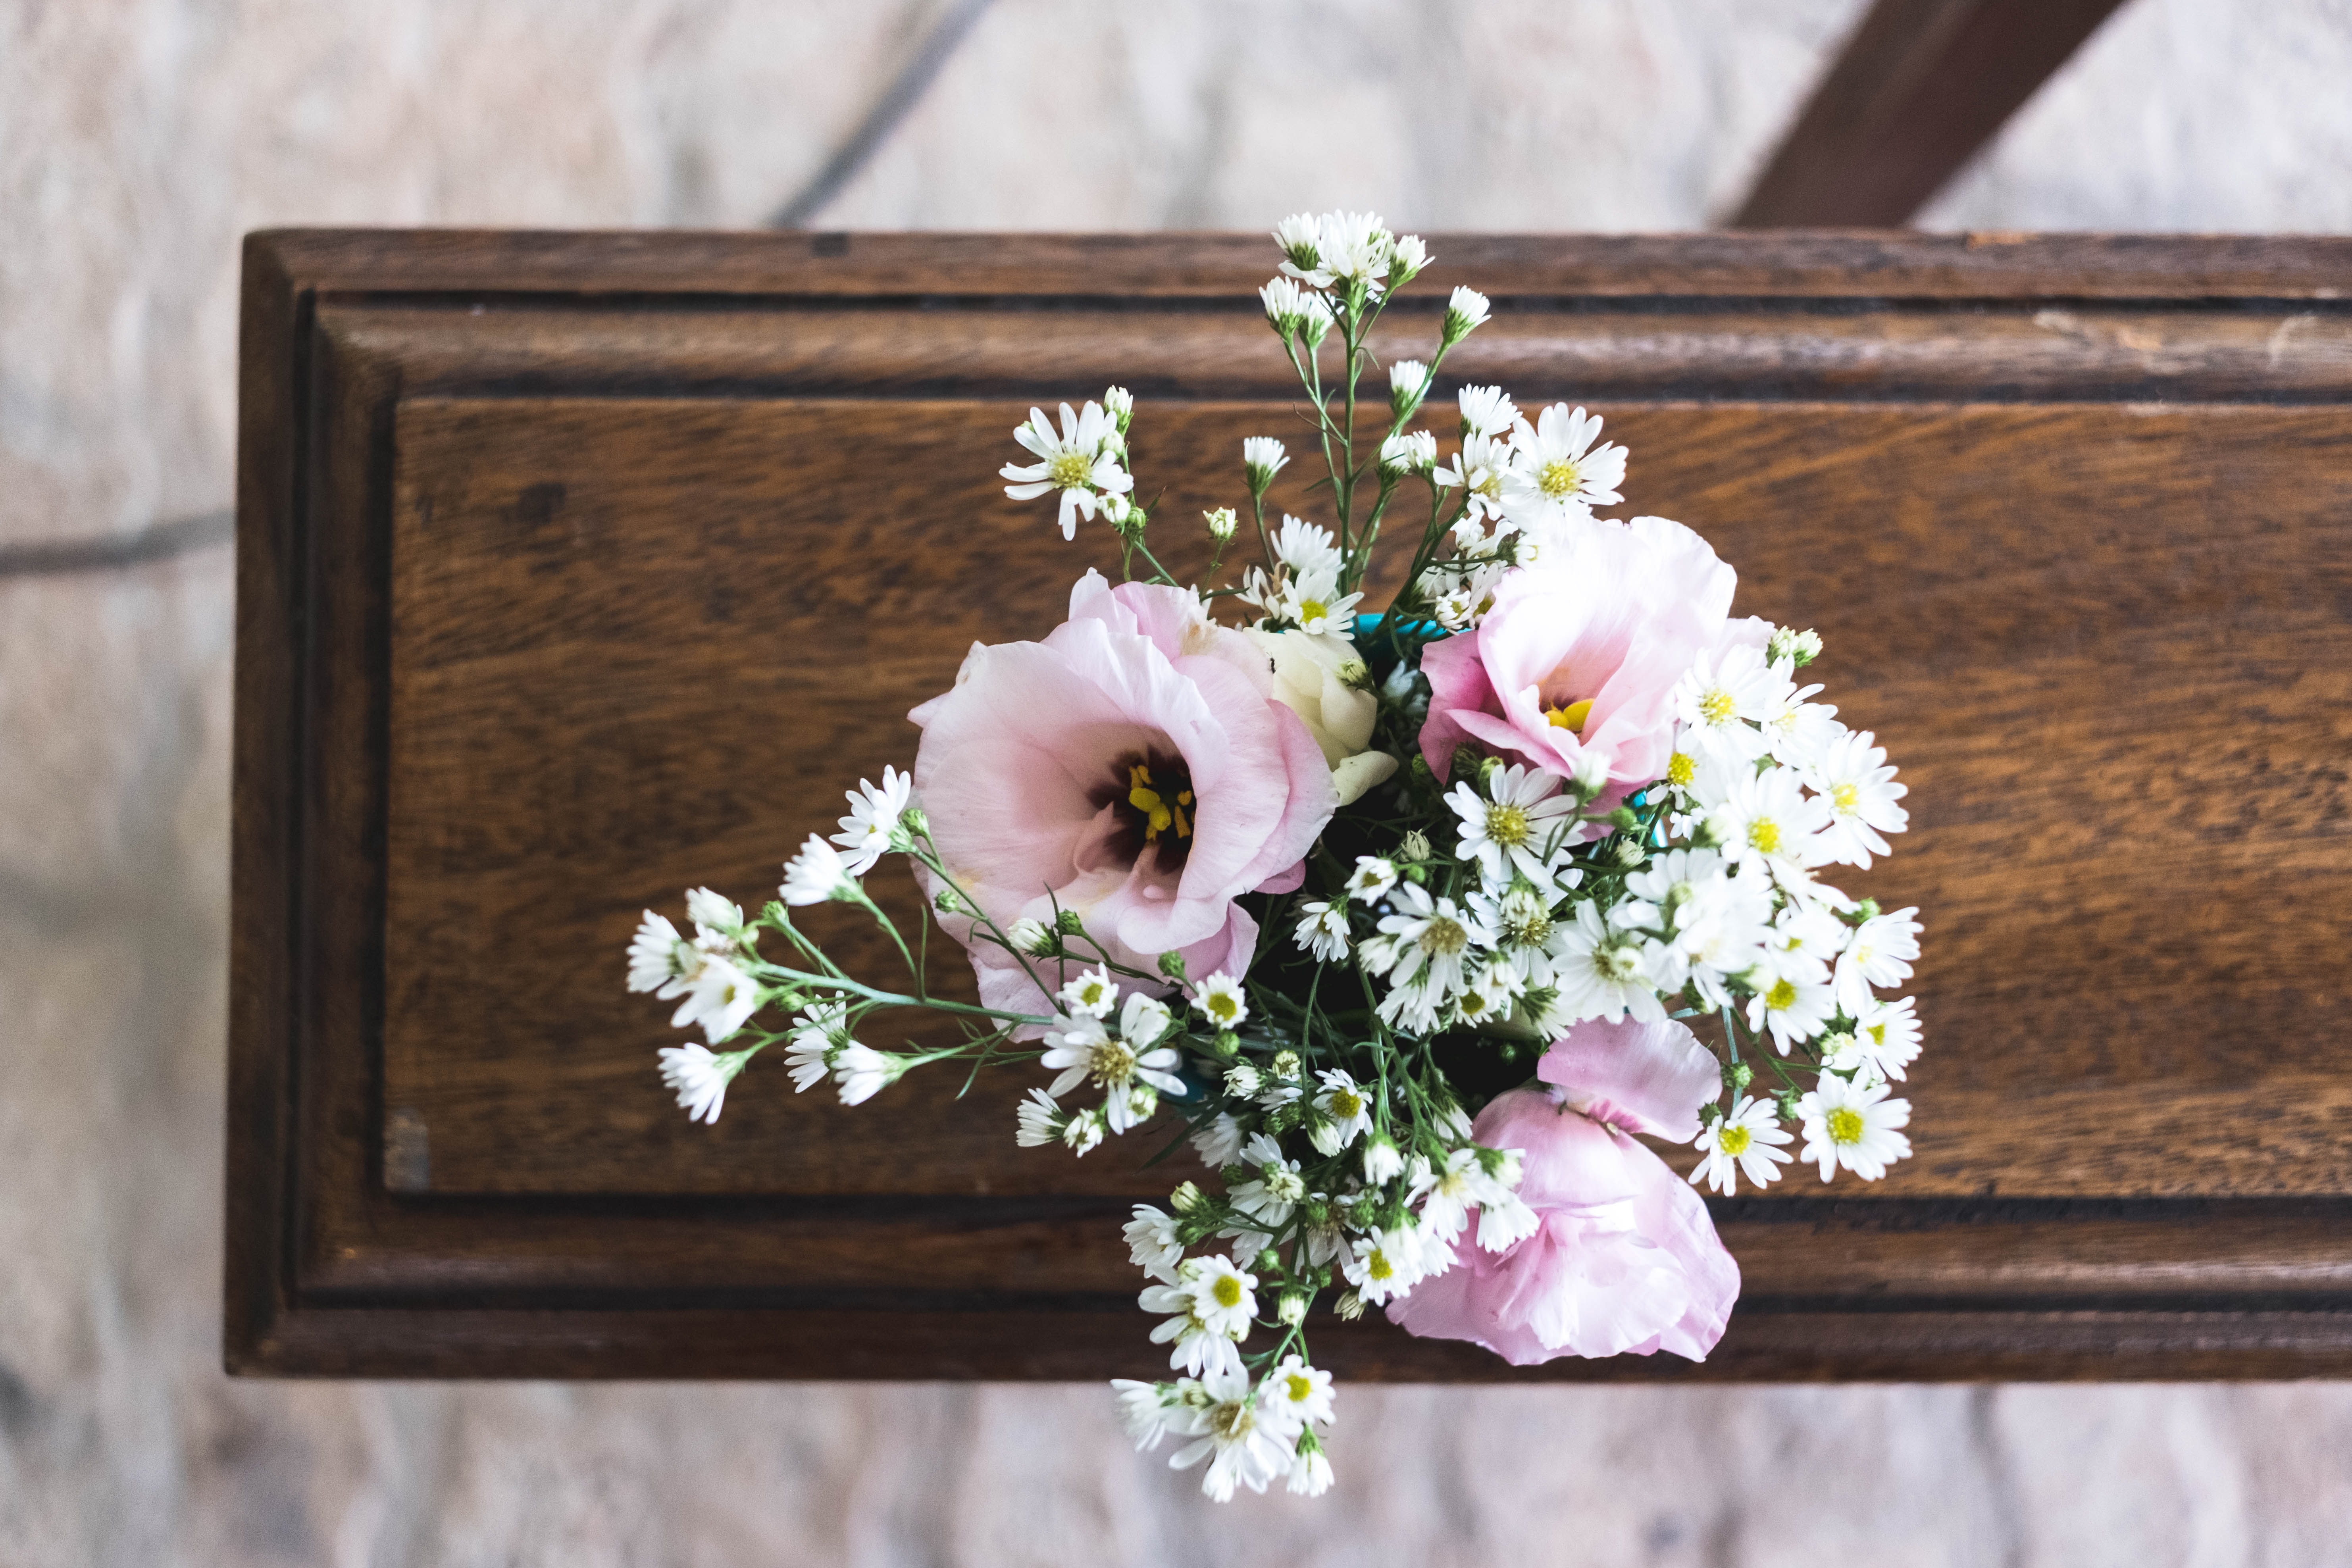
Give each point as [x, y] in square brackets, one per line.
[1466, 312]
[1032, 937]
[1221, 523]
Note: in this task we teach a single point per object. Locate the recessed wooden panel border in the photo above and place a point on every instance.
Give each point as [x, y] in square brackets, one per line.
[343, 1259]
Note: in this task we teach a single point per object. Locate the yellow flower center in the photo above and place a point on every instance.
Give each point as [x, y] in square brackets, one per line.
[1845, 1126]
[1717, 706]
[1300, 1387]
[1112, 1063]
[1227, 1291]
[1877, 1033]
[1733, 1139]
[1158, 815]
[1845, 798]
[1681, 769]
[1222, 1005]
[1764, 834]
[1782, 997]
[1346, 1104]
[1072, 471]
[1311, 611]
[1232, 1420]
[1570, 718]
[1443, 935]
[1507, 826]
[1558, 480]
[1377, 1266]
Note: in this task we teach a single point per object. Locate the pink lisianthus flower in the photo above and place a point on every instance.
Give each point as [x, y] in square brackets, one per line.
[1574, 667]
[1135, 767]
[1624, 1258]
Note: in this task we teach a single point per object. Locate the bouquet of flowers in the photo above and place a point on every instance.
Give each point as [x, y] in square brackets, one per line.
[1410, 922]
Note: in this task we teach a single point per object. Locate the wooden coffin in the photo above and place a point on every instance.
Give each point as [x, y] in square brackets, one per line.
[576, 570]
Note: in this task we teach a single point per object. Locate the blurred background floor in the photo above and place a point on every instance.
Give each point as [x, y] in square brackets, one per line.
[139, 139]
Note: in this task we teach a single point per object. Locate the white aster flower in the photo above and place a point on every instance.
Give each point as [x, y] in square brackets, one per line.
[1557, 475]
[1146, 1410]
[1285, 305]
[1796, 729]
[1855, 1126]
[1093, 994]
[1323, 929]
[701, 1077]
[1888, 1035]
[1485, 410]
[718, 922]
[1878, 953]
[862, 1072]
[1852, 776]
[865, 833]
[1307, 549]
[1718, 701]
[717, 996]
[1033, 937]
[1408, 385]
[1302, 1392]
[1218, 1141]
[1347, 1111]
[1083, 1050]
[1143, 1020]
[1262, 458]
[1746, 1141]
[1080, 461]
[1038, 1122]
[1354, 248]
[1299, 237]
[1152, 1244]
[1768, 820]
[1407, 257]
[818, 1034]
[1384, 1265]
[1465, 310]
[1523, 819]
[1382, 1161]
[1313, 603]
[654, 955]
[1603, 974]
[1220, 1000]
[1083, 1133]
[1246, 1444]
[816, 874]
[1269, 1198]
[1409, 452]
[1311, 1469]
[1478, 468]
[1794, 1009]
[1371, 878]
[1435, 937]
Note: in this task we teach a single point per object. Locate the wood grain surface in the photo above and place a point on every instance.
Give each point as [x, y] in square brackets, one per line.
[580, 570]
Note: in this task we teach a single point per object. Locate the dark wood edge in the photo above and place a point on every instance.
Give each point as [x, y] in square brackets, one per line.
[1839, 264]
[1027, 1346]
[298, 1170]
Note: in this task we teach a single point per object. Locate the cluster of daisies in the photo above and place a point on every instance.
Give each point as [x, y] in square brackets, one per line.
[1552, 791]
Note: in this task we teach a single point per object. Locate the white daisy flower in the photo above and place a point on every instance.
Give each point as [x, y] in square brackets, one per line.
[1603, 974]
[1302, 1392]
[1285, 305]
[1878, 953]
[1347, 1112]
[1796, 729]
[1465, 310]
[1299, 237]
[1309, 549]
[1083, 1050]
[1415, 1008]
[1557, 475]
[1485, 410]
[1269, 1198]
[1852, 776]
[1143, 1020]
[1435, 937]
[1263, 457]
[717, 996]
[1408, 385]
[1323, 929]
[1079, 461]
[1220, 1000]
[1409, 452]
[1407, 257]
[1354, 248]
[1371, 878]
[1718, 701]
[1152, 1244]
[1147, 1409]
[1093, 994]
[700, 1077]
[1384, 1265]
[1083, 1133]
[1746, 1141]
[1218, 1141]
[862, 1072]
[1854, 1126]
[1038, 1122]
[1223, 1298]
[1245, 1445]
[816, 874]
[654, 955]
[1519, 823]
[817, 1034]
[1791, 1008]
[1478, 468]
[1313, 603]
[1888, 1035]
[865, 833]
[1768, 820]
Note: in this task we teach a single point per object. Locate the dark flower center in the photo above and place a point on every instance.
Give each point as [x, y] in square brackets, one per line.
[1150, 795]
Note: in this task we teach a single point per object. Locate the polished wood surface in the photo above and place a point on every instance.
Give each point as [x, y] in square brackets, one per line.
[579, 570]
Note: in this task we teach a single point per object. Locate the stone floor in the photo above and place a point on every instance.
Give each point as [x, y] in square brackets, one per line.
[139, 138]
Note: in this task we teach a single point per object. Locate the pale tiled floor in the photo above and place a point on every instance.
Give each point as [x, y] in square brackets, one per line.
[139, 138]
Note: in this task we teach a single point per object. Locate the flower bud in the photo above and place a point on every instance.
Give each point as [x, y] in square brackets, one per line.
[1186, 1198]
[1284, 1065]
[1069, 923]
[1630, 853]
[947, 902]
[1408, 385]
[1171, 965]
[1381, 1162]
[1221, 523]
[1349, 1306]
[1242, 1081]
[1226, 1044]
[1415, 847]
[1623, 819]
[1465, 312]
[1290, 1308]
[1119, 403]
[1739, 1075]
[1033, 937]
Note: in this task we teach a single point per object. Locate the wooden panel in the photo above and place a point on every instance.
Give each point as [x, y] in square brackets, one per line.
[561, 596]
